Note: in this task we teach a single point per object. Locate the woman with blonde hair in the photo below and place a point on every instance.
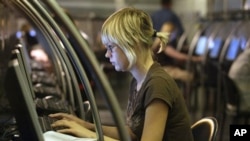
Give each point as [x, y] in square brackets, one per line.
[156, 109]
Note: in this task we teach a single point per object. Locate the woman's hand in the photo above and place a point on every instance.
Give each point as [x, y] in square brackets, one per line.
[70, 124]
[73, 128]
[68, 117]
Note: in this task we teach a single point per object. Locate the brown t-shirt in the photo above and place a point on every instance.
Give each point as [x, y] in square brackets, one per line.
[158, 84]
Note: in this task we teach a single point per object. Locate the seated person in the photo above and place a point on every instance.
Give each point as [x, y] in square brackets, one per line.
[171, 59]
[240, 74]
[156, 108]
[39, 55]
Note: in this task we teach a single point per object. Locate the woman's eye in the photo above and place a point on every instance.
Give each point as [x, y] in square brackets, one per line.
[110, 48]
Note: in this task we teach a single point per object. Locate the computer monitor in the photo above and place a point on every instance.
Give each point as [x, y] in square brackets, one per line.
[233, 49]
[21, 102]
[215, 47]
[243, 43]
[18, 54]
[25, 56]
[201, 45]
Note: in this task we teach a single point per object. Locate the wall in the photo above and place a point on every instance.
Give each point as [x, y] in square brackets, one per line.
[190, 10]
[85, 11]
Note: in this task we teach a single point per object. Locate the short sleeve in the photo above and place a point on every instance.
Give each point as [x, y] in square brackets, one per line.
[159, 88]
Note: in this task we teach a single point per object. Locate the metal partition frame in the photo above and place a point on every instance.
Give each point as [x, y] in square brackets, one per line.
[60, 52]
[92, 65]
[86, 56]
[28, 11]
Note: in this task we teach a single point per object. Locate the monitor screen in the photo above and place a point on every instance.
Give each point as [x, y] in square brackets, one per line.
[233, 49]
[21, 102]
[24, 67]
[201, 46]
[243, 43]
[215, 47]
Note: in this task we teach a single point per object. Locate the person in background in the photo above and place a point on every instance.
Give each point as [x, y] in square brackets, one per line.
[40, 57]
[165, 20]
[239, 73]
[156, 109]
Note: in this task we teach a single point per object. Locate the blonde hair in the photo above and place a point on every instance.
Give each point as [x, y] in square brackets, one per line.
[131, 29]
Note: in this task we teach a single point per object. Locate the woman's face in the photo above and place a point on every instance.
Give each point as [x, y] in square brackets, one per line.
[116, 57]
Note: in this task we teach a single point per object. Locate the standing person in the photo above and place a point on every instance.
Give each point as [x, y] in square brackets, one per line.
[156, 109]
[165, 20]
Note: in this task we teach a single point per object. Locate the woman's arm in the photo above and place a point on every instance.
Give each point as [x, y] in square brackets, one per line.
[155, 121]
[73, 128]
[81, 128]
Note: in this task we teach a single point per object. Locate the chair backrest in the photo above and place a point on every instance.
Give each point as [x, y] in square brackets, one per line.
[230, 91]
[205, 129]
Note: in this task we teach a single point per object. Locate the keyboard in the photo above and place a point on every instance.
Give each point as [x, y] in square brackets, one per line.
[42, 91]
[44, 78]
[50, 105]
[46, 121]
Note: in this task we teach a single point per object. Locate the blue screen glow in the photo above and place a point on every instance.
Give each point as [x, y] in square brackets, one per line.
[201, 46]
[233, 49]
[216, 45]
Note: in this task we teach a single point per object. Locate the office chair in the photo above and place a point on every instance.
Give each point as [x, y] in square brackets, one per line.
[205, 129]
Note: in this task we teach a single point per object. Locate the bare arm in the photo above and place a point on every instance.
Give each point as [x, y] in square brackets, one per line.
[81, 128]
[110, 131]
[155, 121]
[75, 129]
[179, 55]
[170, 51]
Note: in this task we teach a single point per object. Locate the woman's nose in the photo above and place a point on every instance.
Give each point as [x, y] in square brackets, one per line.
[107, 54]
